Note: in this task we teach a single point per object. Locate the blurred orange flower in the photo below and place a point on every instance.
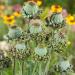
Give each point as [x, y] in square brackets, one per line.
[17, 14]
[2, 7]
[56, 8]
[38, 2]
[9, 20]
[70, 20]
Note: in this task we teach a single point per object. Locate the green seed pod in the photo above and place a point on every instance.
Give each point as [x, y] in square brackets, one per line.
[22, 51]
[35, 26]
[30, 9]
[20, 46]
[64, 65]
[14, 33]
[40, 54]
[40, 51]
[56, 21]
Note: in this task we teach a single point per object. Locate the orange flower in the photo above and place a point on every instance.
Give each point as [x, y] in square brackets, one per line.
[1, 14]
[38, 2]
[70, 20]
[56, 8]
[2, 7]
[9, 20]
[17, 14]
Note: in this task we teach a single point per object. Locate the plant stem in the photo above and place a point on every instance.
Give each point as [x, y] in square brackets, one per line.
[40, 68]
[14, 62]
[34, 69]
[0, 72]
[14, 67]
[47, 67]
[22, 67]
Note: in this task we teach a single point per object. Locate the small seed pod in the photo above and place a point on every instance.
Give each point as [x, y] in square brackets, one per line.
[35, 26]
[55, 21]
[64, 65]
[40, 54]
[14, 33]
[30, 9]
[22, 51]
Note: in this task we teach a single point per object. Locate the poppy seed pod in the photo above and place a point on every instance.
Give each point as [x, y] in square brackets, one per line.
[22, 51]
[35, 26]
[30, 9]
[40, 53]
[14, 33]
[20, 46]
[55, 21]
[64, 65]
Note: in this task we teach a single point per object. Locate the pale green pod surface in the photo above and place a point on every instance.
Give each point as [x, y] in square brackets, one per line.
[64, 65]
[40, 51]
[34, 29]
[20, 46]
[56, 20]
[14, 33]
[30, 9]
[35, 26]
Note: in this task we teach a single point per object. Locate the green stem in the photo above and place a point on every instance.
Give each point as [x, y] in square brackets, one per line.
[47, 67]
[40, 68]
[22, 67]
[34, 69]
[0, 72]
[14, 62]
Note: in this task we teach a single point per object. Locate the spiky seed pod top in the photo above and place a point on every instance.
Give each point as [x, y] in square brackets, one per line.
[35, 26]
[14, 33]
[64, 65]
[55, 21]
[30, 9]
